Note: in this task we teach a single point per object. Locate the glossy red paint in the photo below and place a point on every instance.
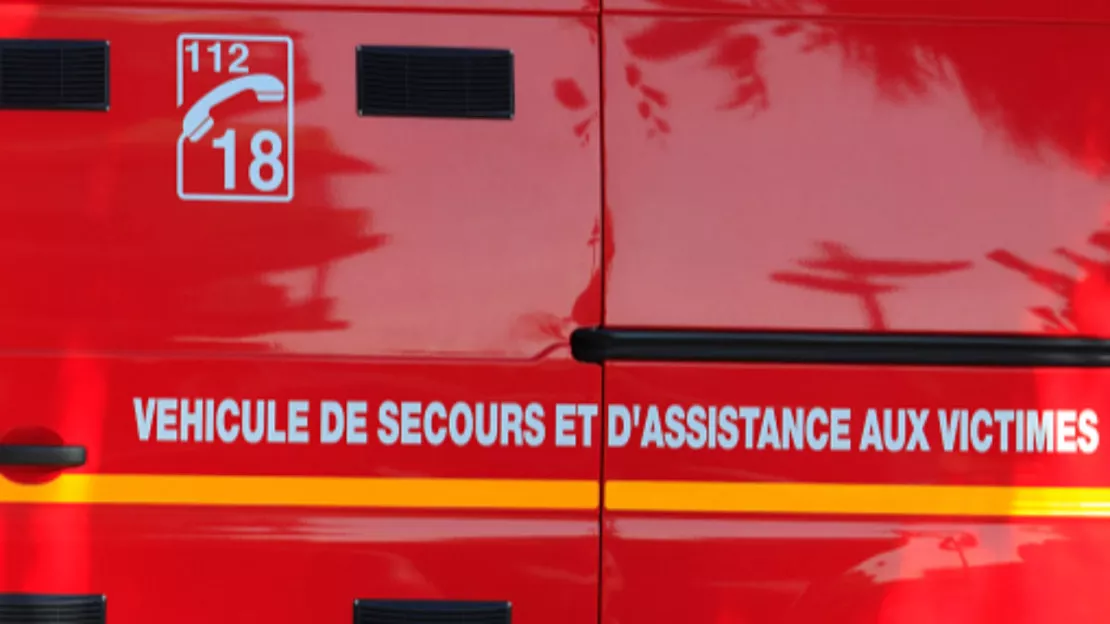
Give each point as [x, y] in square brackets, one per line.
[353, 266]
[852, 387]
[739, 570]
[834, 174]
[519, 7]
[825, 164]
[853, 568]
[993, 10]
[420, 260]
[937, 167]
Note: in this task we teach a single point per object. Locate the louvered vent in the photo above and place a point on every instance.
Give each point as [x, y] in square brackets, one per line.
[52, 609]
[435, 82]
[53, 75]
[431, 612]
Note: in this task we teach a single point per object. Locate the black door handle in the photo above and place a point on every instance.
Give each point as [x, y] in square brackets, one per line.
[44, 456]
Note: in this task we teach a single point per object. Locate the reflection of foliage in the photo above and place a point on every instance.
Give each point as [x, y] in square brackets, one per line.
[1033, 95]
[130, 270]
[555, 330]
[735, 52]
[651, 100]
[570, 94]
[839, 270]
[1084, 299]
[590, 20]
[888, 53]
[738, 55]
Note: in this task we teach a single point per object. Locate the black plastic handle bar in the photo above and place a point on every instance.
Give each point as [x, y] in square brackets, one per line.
[44, 456]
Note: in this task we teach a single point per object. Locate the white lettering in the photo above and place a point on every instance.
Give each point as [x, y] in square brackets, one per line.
[167, 420]
[981, 442]
[729, 436]
[356, 422]
[274, 435]
[588, 413]
[769, 431]
[676, 427]
[192, 419]
[486, 435]
[696, 426]
[840, 430]
[533, 419]
[564, 426]
[144, 416]
[620, 425]
[512, 424]
[817, 442]
[253, 415]
[297, 422]
[435, 432]
[1065, 431]
[872, 438]
[461, 414]
[653, 429]
[410, 423]
[1088, 431]
[948, 425]
[1038, 431]
[1004, 418]
[228, 434]
[918, 439]
[332, 421]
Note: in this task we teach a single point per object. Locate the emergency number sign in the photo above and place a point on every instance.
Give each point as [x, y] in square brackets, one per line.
[235, 101]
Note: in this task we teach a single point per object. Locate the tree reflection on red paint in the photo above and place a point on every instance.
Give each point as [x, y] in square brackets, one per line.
[840, 271]
[572, 97]
[670, 39]
[92, 264]
[569, 92]
[1031, 95]
[130, 269]
[1085, 298]
[554, 331]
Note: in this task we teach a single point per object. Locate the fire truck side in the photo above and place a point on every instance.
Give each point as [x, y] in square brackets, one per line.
[633, 311]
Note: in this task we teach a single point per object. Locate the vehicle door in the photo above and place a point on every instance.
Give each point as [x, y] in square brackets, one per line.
[855, 319]
[286, 293]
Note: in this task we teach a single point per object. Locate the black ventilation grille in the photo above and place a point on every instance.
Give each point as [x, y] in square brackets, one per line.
[53, 75]
[435, 82]
[431, 612]
[52, 609]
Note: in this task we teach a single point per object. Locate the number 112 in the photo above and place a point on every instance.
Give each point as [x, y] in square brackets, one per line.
[237, 51]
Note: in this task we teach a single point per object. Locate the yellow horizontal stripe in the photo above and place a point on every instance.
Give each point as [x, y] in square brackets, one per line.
[538, 494]
[307, 492]
[821, 498]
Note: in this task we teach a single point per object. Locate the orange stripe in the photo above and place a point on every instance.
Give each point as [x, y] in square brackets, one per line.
[861, 499]
[538, 494]
[307, 492]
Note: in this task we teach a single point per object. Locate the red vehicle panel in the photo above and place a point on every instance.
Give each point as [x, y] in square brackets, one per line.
[941, 193]
[784, 176]
[216, 521]
[797, 524]
[1007, 10]
[325, 396]
[820, 338]
[539, 7]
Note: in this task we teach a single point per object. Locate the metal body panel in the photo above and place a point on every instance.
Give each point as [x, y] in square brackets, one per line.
[861, 165]
[886, 175]
[418, 260]
[791, 167]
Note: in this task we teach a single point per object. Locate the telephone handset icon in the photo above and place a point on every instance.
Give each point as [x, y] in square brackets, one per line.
[198, 121]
